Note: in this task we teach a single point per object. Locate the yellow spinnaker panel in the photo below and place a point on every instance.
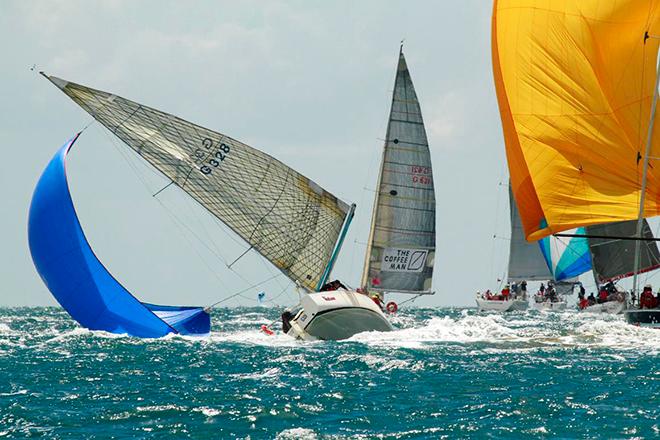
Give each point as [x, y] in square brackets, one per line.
[574, 81]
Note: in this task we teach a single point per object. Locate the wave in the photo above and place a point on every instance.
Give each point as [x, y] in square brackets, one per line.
[523, 331]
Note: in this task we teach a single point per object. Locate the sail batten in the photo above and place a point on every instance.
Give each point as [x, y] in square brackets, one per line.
[401, 246]
[286, 217]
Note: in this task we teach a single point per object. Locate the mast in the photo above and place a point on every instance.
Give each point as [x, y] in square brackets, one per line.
[642, 196]
[335, 252]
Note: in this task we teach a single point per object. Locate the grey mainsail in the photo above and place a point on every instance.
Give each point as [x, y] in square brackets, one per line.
[526, 261]
[613, 259]
[401, 247]
[286, 217]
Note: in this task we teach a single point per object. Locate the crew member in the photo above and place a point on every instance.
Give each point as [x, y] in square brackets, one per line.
[591, 299]
[375, 297]
[646, 299]
[506, 292]
[287, 316]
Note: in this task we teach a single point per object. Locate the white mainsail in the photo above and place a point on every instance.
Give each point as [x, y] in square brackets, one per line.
[401, 246]
[286, 217]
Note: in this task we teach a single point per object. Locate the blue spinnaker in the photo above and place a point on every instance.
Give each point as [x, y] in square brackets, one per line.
[567, 257]
[79, 281]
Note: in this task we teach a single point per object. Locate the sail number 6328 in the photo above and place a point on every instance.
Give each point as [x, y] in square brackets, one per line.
[214, 158]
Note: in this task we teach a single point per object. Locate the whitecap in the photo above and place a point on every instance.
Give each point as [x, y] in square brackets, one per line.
[297, 434]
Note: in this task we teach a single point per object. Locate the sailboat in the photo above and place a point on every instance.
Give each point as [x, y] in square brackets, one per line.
[284, 216]
[577, 88]
[401, 246]
[548, 260]
[526, 263]
[613, 260]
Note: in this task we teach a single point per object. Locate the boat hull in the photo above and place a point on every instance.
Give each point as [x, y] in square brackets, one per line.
[548, 306]
[501, 306]
[643, 317]
[610, 307]
[337, 315]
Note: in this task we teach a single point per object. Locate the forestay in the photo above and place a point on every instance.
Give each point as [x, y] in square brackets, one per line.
[401, 247]
[286, 217]
[613, 259]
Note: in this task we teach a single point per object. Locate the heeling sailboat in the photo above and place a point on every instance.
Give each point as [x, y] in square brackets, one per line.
[401, 246]
[576, 84]
[287, 218]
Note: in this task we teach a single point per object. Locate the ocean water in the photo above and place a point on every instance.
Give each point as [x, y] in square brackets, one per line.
[443, 373]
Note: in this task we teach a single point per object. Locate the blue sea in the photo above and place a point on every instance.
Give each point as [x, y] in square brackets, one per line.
[443, 373]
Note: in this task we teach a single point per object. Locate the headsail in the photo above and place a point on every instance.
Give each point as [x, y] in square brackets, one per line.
[401, 247]
[613, 259]
[286, 217]
[575, 81]
[79, 281]
[567, 257]
[526, 261]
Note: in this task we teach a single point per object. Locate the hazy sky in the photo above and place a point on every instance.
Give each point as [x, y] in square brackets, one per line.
[308, 82]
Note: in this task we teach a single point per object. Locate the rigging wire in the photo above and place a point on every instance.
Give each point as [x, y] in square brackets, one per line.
[209, 307]
[181, 226]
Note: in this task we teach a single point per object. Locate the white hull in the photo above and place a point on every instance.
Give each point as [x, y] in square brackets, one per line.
[610, 307]
[548, 306]
[335, 315]
[501, 306]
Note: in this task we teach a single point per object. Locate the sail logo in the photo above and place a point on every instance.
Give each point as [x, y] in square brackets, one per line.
[421, 174]
[403, 260]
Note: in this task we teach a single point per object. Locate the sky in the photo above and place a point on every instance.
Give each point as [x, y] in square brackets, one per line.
[308, 82]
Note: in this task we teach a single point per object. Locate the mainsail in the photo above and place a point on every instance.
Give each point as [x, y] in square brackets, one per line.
[286, 217]
[613, 258]
[575, 81]
[526, 261]
[401, 247]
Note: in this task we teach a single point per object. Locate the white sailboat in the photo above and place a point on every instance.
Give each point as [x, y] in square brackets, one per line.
[526, 263]
[401, 246]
